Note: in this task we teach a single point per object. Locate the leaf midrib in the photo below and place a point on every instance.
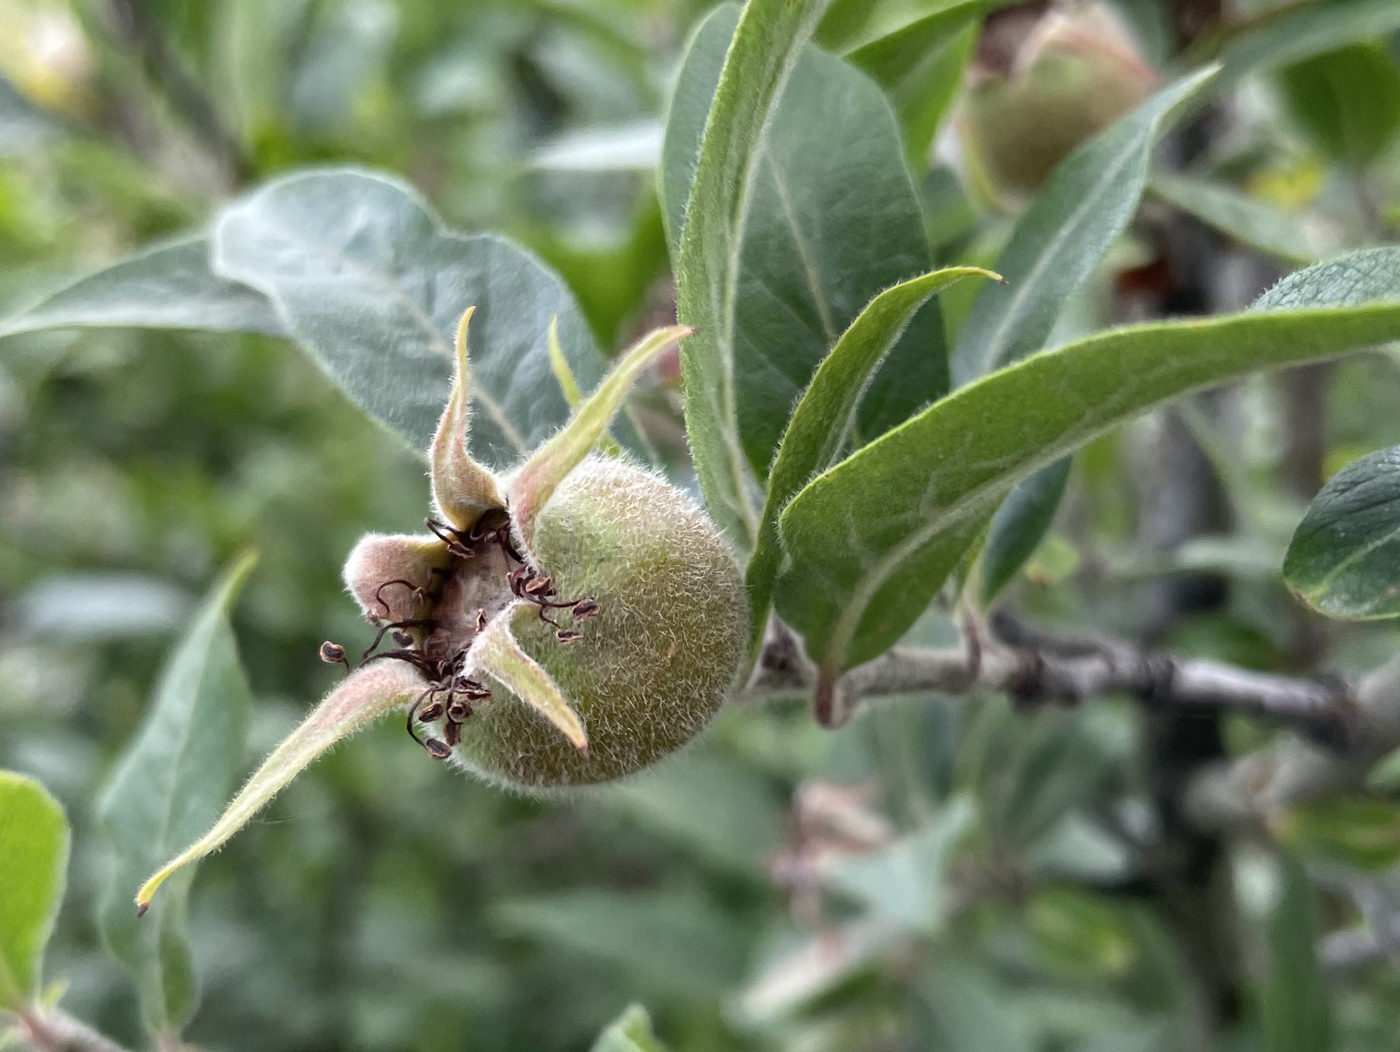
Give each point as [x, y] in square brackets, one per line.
[871, 580]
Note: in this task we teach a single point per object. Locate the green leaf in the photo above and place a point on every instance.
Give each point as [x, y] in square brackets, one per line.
[904, 881]
[821, 424]
[33, 863]
[1080, 211]
[1019, 526]
[630, 1032]
[969, 1013]
[369, 282]
[1303, 31]
[919, 62]
[1294, 1000]
[739, 828]
[1344, 559]
[872, 539]
[1347, 101]
[1057, 244]
[1357, 832]
[674, 943]
[1246, 219]
[777, 255]
[168, 286]
[1384, 777]
[168, 787]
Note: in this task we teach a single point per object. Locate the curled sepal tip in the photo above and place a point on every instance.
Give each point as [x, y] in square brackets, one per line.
[462, 488]
[547, 468]
[364, 695]
[496, 653]
[560, 365]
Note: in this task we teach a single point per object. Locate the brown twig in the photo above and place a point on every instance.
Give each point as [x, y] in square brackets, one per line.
[1037, 668]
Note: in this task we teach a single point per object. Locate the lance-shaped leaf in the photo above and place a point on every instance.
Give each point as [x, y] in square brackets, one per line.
[363, 696]
[766, 46]
[1301, 31]
[1294, 1008]
[462, 488]
[1344, 560]
[33, 863]
[1246, 219]
[168, 286]
[1084, 205]
[168, 787]
[369, 282]
[812, 253]
[546, 469]
[496, 652]
[821, 424]
[872, 539]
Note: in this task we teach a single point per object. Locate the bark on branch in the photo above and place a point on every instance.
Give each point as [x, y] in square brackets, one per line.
[1341, 729]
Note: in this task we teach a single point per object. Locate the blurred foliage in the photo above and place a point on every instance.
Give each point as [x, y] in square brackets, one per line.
[938, 875]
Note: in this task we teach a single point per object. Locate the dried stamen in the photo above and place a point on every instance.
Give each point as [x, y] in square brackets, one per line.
[436, 749]
[333, 654]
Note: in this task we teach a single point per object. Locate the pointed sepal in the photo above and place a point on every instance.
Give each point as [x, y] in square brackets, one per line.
[364, 695]
[462, 489]
[497, 653]
[551, 463]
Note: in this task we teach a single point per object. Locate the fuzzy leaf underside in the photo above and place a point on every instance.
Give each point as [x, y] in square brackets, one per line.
[371, 285]
[1081, 210]
[166, 286]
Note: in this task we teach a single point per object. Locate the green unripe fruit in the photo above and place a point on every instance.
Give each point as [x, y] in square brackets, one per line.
[655, 663]
[1025, 111]
[564, 626]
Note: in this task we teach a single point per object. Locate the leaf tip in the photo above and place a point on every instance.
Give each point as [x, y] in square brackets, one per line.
[149, 889]
[461, 342]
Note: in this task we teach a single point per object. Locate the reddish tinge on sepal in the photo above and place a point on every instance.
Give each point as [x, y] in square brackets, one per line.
[363, 696]
[390, 574]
